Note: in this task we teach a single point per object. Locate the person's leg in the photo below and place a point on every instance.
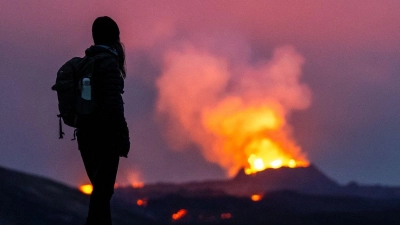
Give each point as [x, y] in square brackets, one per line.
[103, 188]
[101, 165]
[87, 150]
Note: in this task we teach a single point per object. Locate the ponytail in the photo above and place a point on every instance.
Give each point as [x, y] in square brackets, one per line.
[119, 47]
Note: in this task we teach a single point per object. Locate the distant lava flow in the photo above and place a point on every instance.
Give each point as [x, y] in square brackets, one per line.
[236, 113]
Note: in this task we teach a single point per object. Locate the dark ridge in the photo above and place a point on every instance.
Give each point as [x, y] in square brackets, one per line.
[30, 200]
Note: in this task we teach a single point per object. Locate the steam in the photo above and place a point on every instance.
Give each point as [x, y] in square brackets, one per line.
[231, 110]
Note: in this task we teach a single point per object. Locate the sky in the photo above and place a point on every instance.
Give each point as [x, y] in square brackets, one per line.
[340, 61]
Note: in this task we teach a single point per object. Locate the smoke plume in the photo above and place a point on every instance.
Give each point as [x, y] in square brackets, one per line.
[235, 114]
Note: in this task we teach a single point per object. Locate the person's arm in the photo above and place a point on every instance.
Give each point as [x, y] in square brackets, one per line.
[113, 105]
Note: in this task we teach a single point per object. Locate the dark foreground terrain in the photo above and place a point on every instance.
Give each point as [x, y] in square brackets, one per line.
[31, 200]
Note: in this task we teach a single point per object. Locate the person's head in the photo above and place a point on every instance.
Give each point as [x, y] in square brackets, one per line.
[105, 31]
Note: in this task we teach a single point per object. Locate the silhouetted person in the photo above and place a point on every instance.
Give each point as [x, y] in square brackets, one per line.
[103, 136]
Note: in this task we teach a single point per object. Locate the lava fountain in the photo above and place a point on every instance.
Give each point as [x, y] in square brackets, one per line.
[236, 113]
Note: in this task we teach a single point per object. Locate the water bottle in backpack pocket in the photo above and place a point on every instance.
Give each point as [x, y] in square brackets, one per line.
[85, 101]
[86, 89]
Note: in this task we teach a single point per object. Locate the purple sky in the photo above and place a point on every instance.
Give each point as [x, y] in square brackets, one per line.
[351, 130]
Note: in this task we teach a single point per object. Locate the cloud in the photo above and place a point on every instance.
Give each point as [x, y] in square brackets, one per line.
[232, 111]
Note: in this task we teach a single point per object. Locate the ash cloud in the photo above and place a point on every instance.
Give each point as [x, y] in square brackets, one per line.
[224, 108]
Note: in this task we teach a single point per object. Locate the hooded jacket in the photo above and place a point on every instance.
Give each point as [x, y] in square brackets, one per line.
[107, 87]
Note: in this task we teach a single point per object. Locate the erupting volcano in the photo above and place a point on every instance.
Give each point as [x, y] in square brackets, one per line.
[235, 112]
[254, 136]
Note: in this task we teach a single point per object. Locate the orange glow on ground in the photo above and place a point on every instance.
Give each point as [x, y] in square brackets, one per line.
[141, 202]
[137, 184]
[134, 178]
[256, 198]
[178, 215]
[226, 216]
[86, 189]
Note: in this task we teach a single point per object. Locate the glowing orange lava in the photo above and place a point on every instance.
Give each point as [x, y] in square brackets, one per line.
[226, 216]
[137, 184]
[256, 137]
[134, 178]
[86, 189]
[256, 198]
[257, 164]
[267, 154]
[178, 215]
[141, 202]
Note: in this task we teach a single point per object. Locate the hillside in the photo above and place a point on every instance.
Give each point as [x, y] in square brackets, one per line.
[32, 200]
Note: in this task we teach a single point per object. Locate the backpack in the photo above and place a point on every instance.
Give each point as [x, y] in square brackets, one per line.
[74, 90]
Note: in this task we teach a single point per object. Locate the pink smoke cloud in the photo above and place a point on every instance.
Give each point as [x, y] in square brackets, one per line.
[227, 111]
